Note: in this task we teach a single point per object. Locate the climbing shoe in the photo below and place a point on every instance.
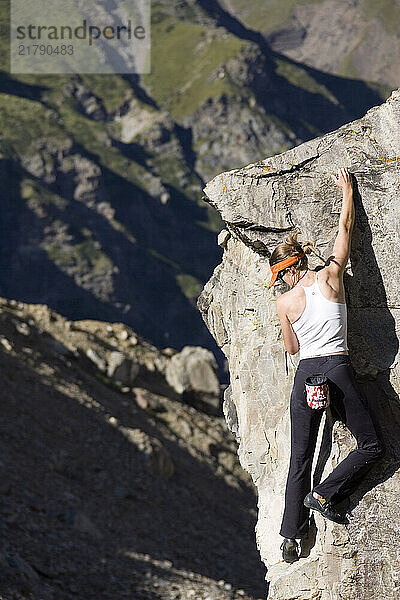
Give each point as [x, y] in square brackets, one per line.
[325, 508]
[289, 550]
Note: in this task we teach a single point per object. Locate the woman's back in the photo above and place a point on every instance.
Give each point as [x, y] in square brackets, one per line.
[322, 327]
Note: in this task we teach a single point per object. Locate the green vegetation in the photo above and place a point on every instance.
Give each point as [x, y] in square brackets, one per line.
[185, 63]
[347, 67]
[36, 194]
[214, 222]
[84, 255]
[92, 135]
[299, 77]
[381, 88]
[385, 11]
[24, 121]
[274, 14]
[190, 286]
[120, 227]
[164, 259]
[111, 89]
[266, 16]
[169, 168]
[5, 36]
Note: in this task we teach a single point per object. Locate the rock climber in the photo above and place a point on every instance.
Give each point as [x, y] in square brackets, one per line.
[313, 317]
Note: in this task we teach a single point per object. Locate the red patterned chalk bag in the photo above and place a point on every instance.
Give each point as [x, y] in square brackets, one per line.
[317, 391]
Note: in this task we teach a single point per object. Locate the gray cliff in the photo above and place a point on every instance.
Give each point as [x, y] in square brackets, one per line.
[261, 204]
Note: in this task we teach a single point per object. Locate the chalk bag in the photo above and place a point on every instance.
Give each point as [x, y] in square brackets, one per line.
[317, 391]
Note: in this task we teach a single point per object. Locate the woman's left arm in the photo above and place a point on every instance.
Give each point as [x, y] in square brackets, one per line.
[289, 336]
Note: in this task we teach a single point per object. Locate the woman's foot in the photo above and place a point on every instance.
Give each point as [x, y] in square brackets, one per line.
[324, 507]
[289, 550]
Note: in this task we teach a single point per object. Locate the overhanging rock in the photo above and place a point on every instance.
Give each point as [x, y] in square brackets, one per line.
[261, 204]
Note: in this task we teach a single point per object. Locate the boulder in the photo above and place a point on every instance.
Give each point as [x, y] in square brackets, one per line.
[96, 359]
[261, 204]
[157, 456]
[193, 374]
[121, 368]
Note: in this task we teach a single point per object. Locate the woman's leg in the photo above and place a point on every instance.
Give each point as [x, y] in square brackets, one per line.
[352, 409]
[304, 422]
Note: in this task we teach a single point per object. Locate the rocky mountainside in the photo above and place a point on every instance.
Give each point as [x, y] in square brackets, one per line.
[112, 486]
[260, 204]
[102, 212]
[352, 38]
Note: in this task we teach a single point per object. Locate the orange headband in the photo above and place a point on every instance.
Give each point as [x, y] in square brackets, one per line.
[282, 265]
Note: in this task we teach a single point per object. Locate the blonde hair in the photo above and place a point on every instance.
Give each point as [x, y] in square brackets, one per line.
[292, 247]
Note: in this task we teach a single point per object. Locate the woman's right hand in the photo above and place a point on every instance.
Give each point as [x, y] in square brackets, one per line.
[343, 179]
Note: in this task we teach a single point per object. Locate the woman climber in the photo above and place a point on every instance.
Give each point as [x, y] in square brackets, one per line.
[313, 316]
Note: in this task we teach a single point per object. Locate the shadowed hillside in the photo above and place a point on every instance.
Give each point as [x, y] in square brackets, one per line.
[109, 490]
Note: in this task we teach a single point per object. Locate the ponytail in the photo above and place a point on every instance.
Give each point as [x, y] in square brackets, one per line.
[293, 247]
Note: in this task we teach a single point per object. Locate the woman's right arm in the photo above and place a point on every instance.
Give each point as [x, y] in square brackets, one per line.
[341, 249]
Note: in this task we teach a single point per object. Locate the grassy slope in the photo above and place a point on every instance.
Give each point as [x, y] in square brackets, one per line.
[266, 16]
[24, 120]
[185, 59]
[386, 11]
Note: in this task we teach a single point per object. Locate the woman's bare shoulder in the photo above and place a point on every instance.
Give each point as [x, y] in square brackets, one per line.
[287, 299]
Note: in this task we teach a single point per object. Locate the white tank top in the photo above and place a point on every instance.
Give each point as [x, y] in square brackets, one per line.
[322, 327]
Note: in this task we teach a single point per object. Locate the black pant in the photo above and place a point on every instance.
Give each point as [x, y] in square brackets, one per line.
[350, 406]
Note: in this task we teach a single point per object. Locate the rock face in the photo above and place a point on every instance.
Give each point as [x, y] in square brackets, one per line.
[261, 204]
